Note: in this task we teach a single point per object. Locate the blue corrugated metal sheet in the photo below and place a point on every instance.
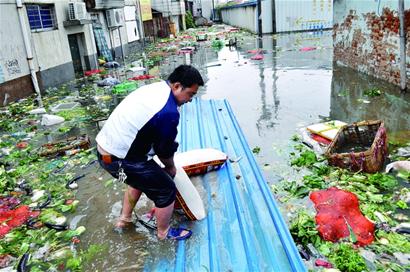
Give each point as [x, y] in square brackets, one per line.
[243, 230]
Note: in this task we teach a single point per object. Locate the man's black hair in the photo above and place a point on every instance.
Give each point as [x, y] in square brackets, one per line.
[187, 76]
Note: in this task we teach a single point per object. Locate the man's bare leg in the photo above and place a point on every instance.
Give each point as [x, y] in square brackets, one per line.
[131, 196]
[163, 219]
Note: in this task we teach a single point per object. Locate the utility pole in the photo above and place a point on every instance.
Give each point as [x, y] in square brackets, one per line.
[273, 16]
[259, 12]
[213, 10]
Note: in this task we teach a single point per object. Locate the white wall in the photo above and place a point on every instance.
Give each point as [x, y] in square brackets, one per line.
[244, 17]
[13, 61]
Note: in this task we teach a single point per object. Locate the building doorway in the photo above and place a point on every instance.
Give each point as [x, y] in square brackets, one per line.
[75, 49]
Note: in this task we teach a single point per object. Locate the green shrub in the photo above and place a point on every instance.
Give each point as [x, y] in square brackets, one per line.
[189, 20]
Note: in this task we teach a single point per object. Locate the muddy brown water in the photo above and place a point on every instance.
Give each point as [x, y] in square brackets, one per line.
[271, 100]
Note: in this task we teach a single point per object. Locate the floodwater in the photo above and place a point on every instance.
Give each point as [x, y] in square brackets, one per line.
[272, 99]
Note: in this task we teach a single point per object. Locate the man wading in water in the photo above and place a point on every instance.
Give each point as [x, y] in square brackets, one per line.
[142, 125]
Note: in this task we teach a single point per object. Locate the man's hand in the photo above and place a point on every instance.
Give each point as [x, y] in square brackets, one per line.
[169, 166]
[172, 171]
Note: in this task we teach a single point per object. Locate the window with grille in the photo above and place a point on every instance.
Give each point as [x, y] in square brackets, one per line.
[41, 17]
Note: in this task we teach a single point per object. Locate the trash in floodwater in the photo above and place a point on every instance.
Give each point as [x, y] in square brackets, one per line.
[398, 165]
[257, 51]
[8, 203]
[125, 87]
[142, 77]
[50, 119]
[362, 134]
[14, 218]
[65, 106]
[108, 81]
[326, 130]
[305, 49]
[338, 216]
[257, 57]
[111, 64]
[92, 72]
[60, 147]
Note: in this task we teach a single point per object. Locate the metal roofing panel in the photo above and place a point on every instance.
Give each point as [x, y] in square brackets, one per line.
[300, 15]
[246, 4]
[243, 230]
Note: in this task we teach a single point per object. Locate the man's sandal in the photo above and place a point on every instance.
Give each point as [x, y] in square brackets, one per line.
[176, 234]
[149, 221]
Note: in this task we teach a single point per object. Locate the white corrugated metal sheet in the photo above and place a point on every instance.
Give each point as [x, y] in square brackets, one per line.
[242, 15]
[168, 7]
[296, 15]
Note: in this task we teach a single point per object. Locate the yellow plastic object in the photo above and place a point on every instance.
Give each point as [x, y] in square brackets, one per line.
[328, 129]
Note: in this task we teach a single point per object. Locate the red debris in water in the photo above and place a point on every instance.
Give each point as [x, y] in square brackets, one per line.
[320, 139]
[10, 219]
[336, 211]
[253, 51]
[323, 263]
[5, 260]
[8, 203]
[142, 77]
[92, 72]
[21, 145]
[305, 49]
[69, 201]
[234, 29]
[257, 57]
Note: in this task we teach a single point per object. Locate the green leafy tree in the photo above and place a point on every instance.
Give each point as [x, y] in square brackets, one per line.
[189, 20]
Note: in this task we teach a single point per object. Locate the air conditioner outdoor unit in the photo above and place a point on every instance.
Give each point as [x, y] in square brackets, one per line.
[77, 11]
[115, 17]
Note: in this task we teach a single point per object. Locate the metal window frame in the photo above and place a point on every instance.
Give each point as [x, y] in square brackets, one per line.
[38, 8]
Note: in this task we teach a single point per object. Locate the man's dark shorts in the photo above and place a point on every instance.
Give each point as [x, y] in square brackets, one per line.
[146, 176]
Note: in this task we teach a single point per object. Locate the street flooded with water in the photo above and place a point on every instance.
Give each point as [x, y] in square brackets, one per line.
[272, 99]
[295, 84]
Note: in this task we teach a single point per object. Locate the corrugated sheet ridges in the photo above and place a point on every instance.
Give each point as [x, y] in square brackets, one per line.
[244, 230]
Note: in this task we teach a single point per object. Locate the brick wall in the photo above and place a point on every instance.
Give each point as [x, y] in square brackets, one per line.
[17, 88]
[370, 43]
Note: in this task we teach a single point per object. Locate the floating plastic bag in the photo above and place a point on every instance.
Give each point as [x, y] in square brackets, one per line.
[136, 69]
[111, 64]
[38, 111]
[398, 165]
[49, 120]
[109, 81]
